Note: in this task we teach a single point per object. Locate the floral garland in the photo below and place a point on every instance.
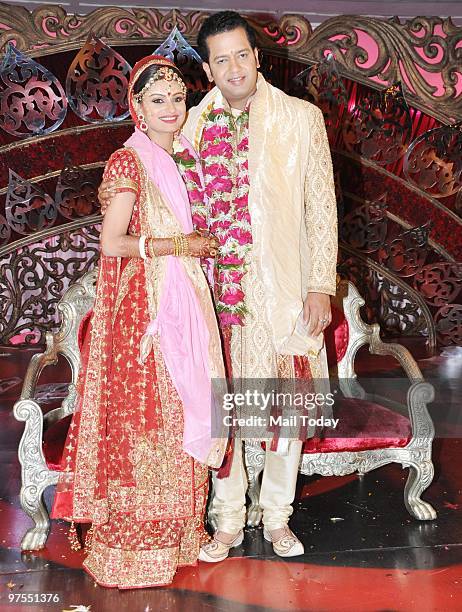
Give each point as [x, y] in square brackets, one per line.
[187, 166]
[224, 154]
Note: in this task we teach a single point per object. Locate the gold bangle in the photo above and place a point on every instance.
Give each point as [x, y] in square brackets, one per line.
[181, 245]
[184, 245]
[177, 245]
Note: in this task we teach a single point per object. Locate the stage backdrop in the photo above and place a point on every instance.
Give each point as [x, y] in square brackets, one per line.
[391, 93]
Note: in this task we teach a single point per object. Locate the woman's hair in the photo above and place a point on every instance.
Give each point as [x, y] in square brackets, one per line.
[149, 72]
[224, 21]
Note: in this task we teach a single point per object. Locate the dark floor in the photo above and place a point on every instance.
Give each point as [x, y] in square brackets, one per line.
[364, 552]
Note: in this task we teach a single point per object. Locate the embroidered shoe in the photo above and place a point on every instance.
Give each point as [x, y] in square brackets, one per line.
[216, 551]
[288, 545]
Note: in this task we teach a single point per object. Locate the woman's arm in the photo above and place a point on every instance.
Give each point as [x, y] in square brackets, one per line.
[115, 242]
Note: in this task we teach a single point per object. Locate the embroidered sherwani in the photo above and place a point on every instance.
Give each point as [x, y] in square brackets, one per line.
[294, 248]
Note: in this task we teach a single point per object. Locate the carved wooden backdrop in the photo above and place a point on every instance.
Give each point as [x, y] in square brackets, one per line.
[391, 96]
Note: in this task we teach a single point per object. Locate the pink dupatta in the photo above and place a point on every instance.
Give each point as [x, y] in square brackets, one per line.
[180, 324]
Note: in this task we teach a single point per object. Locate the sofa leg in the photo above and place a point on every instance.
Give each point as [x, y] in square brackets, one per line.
[255, 462]
[32, 503]
[35, 474]
[419, 479]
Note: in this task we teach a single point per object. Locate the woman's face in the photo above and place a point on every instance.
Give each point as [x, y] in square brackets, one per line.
[163, 107]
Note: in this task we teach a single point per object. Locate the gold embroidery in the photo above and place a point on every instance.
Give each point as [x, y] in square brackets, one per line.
[147, 509]
[125, 183]
[286, 367]
[115, 567]
[127, 274]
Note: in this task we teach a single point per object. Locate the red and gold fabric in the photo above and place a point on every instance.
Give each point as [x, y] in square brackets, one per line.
[125, 470]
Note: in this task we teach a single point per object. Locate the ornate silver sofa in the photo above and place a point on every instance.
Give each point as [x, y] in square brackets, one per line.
[36, 472]
[39, 471]
[415, 454]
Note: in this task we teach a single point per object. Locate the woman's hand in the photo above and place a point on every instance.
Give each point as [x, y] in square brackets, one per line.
[202, 244]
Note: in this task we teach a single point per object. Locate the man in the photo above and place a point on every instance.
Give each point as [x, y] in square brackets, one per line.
[285, 191]
[269, 180]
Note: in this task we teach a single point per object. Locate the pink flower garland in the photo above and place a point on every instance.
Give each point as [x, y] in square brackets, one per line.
[225, 167]
[186, 163]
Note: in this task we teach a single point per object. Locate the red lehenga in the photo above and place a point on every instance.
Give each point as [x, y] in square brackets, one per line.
[125, 469]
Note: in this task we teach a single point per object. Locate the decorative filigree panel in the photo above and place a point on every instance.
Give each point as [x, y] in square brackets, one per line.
[433, 162]
[379, 126]
[76, 191]
[5, 231]
[51, 25]
[32, 100]
[387, 303]
[365, 228]
[399, 313]
[417, 53]
[439, 283]
[291, 32]
[322, 85]
[423, 53]
[35, 277]
[178, 50]
[406, 254]
[27, 207]
[405, 292]
[96, 83]
[449, 324]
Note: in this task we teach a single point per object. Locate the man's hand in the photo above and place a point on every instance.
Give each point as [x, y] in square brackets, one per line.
[106, 192]
[317, 312]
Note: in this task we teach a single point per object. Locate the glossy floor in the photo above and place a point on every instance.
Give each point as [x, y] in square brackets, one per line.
[363, 550]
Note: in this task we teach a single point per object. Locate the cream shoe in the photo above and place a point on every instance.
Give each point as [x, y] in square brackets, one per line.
[216, 551]
[288, 545]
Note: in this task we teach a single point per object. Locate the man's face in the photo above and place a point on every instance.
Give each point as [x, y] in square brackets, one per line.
[233, 66]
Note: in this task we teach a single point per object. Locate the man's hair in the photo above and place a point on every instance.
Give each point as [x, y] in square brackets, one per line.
[224, 21]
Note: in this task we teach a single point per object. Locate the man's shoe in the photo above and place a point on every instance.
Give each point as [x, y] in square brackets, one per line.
[287, 545]
[216, 550]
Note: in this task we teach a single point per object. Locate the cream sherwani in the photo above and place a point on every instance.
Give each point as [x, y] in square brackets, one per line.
[294, 251]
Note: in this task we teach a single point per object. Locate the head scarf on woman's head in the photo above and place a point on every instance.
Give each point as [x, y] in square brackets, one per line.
[138, 69]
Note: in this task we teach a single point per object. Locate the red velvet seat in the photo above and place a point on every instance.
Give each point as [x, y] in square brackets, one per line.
[336, 337]
[362, 425]
[54, 439]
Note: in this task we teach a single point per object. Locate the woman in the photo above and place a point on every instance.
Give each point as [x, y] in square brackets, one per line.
[139, 445]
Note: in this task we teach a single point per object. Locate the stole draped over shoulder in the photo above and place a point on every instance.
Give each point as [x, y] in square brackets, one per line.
[136, 456]
[293, 218]
[291, 201]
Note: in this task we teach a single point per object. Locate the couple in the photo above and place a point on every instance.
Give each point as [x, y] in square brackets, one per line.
[254, 195]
